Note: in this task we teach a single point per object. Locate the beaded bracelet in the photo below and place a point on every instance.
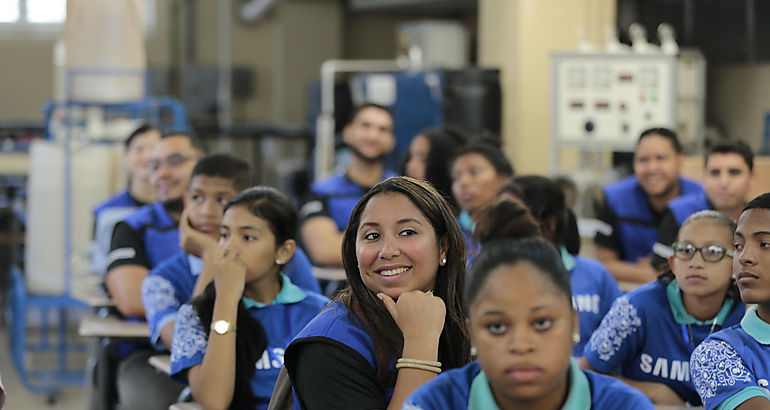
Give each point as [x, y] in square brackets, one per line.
[419, 366]
[417, 361]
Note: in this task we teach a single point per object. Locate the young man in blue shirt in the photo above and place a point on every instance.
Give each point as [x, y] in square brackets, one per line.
[324, 218]
[727, 179]
[633, 206]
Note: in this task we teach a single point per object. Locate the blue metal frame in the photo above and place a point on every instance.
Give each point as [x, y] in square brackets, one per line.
[46, 381]
[165, 112]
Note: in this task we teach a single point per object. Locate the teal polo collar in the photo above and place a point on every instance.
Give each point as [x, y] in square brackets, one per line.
[290, 293]
[578, 397]
[567, 259]
[756, 327]
[466, 221]
[674, 295]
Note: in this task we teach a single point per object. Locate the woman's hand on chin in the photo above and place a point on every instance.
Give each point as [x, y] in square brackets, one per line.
[419, 315]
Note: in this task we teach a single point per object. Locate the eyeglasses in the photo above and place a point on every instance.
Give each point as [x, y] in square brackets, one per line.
[173, 161]
[710, 253]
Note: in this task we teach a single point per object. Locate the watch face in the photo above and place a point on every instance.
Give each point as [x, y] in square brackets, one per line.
[221, 326]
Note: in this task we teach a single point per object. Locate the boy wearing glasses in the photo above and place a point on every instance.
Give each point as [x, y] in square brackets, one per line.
[648, 335]
[139, 243]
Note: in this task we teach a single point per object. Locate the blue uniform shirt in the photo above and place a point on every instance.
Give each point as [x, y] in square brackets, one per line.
[593, 291]
[733, 365]
[121, 200]
[630, 225]
[147, 237]
[291, 310]
[648, 335]
[468, 388]
[171, 284]
[336, 197]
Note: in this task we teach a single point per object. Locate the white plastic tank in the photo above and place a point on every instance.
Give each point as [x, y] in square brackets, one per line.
[102, 51]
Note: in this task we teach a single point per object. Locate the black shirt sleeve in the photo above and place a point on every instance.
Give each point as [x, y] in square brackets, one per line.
[327, 374]
[314, 206]
[126, 248]
[605, 234]
[667, 232]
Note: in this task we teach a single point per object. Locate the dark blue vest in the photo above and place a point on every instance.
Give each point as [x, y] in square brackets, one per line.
[684, 206]
[635, 227]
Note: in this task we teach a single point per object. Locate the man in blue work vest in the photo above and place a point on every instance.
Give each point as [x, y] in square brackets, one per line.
[325, 216]
[632, 207]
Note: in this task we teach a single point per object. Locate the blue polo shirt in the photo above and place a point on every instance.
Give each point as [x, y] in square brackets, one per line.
[593, 291]
[145, 238]
[648, 335]
[291, 310]
[171, 284]
[468, 388]
[121, 200]
[733, 365]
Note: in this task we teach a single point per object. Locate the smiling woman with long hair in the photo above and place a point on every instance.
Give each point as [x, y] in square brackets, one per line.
[401, 320]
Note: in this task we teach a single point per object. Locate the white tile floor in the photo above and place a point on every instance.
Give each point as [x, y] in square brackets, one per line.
[19, 398]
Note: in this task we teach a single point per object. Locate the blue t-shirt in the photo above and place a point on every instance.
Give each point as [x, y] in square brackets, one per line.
[291, 310]
[630, 225]
[121, 200]
[733, 365]
[468, 388]
[172, 282]
[593, 291]
[647, 334]
[336, 197]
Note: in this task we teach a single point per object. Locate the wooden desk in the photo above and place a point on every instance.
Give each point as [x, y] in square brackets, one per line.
[88, 289]
[185, 406]
[161, 362]
[110, 326]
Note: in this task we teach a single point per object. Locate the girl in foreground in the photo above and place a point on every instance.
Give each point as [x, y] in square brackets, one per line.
[649, 333]
[522, 326]
[229, 340]
[731, 369]
[404, 258]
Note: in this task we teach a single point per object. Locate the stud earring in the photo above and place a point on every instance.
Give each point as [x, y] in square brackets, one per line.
[473, 351]
[443, 261]
[277, 261]
[576, 338]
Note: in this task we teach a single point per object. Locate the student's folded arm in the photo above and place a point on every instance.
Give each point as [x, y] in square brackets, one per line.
[622, 271]
[322, 240]
[658, 393]
[755, 403]
[126, 270]
[124, 284]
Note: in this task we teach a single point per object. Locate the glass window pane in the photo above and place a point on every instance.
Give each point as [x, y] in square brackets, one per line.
[9, 11]
[46, 11]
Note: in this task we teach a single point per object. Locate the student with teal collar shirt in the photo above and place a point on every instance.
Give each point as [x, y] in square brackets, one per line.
[522, 326]
[650, 333]
[478, 171]
[229, 341]
[593, 287]
[731, 369]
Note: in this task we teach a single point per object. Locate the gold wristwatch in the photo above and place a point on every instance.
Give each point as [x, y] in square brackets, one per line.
[222, 327]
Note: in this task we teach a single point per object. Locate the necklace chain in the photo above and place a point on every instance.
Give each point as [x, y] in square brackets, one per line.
[689, 332]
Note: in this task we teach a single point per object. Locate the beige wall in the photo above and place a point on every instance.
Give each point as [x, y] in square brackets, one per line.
[738, 100]
[518, 37]
[285, 50]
